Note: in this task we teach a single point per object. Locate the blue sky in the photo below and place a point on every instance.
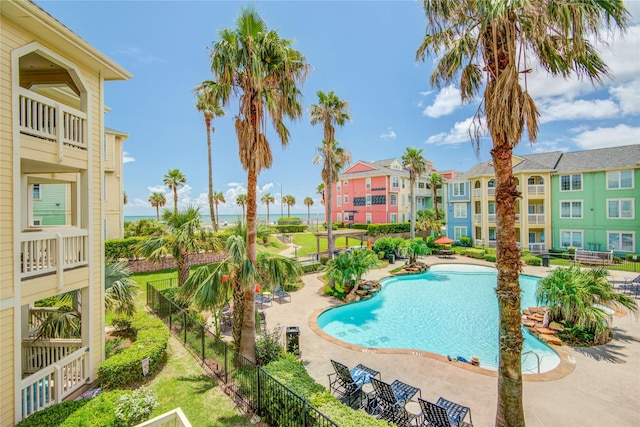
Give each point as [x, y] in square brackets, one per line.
[363, 50]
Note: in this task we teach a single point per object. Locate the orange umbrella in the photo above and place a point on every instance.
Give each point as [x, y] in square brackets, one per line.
[443, 240]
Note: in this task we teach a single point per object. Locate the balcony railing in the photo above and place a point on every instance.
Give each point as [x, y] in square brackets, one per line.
[535, 189]
[491, 218]
[424, 192]
[44, 118]
[491, 191]
[38, 354]
[55, 382]
[536, 247]
[535, 218]
[43, 252]
[477, 192]
[174, 418]
[477, 218]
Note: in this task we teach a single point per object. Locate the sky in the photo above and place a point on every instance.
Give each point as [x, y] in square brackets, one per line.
[364, 51]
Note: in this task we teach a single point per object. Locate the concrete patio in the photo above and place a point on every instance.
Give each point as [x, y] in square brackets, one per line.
[601, 388]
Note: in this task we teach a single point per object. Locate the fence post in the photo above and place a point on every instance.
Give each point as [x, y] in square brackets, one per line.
[203, 334]
[258, 400]
[170, 318]
[226, 365]
[184, 325]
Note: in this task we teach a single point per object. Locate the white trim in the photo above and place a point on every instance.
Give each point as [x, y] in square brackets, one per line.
[570, 231]
[571, 209]
[570, 175]
[460, 227]
[620, 217]
[7, 303]
[620, 233]
[620, 180]
[455, 213]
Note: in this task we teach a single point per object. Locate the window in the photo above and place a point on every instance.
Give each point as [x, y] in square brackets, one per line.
[368, 220]
[104, 148]
[368, 182]
[621, 241]
[394, 200]
[403, 200]
[491, 183]
[346, 199]
[571, 238]
[368, 199]
[345, 182]
[621, 208]
[459, 232]
[339, 200]
[571, 209]
[403, 182]
[619, 179]
[459, 210]
[571, 182]
[458, 189]
[338, 186]
[36, 192]
[492, 233]
[37, 221]
[492, 208]
[394, 218]
[394, 181]
[339, 218]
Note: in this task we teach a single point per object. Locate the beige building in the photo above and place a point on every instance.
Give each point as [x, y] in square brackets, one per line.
[51, 131]
[113, 183]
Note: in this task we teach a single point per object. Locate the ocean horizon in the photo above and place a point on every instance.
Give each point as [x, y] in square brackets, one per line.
[234, 218]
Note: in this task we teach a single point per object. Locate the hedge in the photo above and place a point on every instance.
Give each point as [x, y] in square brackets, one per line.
[121, 248]
[291, 228]
[53, 415]
[533, 260]
[289, 221]
[475, 253]
[124, 370]
[632, 257]
[377, 229]
[490, 257]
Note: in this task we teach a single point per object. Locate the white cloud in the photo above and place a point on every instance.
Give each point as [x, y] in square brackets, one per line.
[138, 55]
[580, 109]
[547, 146]
[628, 96]
[390, 134]
[158, 189]
[127, 158]
[608, 137]
[138, 203]
[446, 102]
[457, 135]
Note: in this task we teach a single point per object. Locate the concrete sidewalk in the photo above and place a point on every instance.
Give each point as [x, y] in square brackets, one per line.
[602, 390]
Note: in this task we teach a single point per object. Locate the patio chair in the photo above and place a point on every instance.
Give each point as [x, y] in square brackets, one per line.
[347, 384]
[262, 300]
[444, 413]
[280, 295]
[399, 256]
[629, 286]
[391, 401]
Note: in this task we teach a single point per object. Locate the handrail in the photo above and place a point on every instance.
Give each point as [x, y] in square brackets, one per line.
[527, 353]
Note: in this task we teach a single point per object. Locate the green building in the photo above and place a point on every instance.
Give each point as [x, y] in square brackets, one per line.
[49, 204]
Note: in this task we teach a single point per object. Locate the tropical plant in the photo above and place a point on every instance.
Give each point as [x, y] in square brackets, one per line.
[330, 111]
[217, 199]
[289, 201]
[320, 191]
[501, 40]
[267, 199]
[346, 269]
[265, 73]
[121, 291]
[575, 296]
[157, 201]
[125, 198]
[308, 201]
[208, 103]
[413, 161]
[143, 227]
[241, 201]
[427, 223]
[435, 181]
[415, 248]
[174, 179]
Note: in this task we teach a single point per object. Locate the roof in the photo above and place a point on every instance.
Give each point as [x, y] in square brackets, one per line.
[540, 162]
[626, 156]
[115, 132]
[379, 169]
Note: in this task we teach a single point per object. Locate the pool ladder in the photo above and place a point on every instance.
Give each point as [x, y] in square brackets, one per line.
[527, 353]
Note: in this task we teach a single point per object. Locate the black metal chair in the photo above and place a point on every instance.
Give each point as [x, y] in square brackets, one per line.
[444, 413]
[347, 387]
[390, 402]
[280, 295]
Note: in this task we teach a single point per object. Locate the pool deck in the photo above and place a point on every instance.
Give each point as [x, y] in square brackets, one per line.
[600, 386]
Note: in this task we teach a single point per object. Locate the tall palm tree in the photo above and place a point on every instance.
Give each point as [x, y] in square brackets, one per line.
[267, 199]
[289, 200]
[501, 40]
[217, 199]
[320, 191]
[436, 181]
[208, 103]
[241, 201]
[413, 161]
[308, 201]
[333, 159]
[157, 200]
[265, 72]
[174, 179]
[329, 111]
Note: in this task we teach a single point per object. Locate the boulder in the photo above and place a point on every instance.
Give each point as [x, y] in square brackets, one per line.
[550, 339]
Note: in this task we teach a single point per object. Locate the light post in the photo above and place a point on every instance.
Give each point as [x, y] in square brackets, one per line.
[295, 250]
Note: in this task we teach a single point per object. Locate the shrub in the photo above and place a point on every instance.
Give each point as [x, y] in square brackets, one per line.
[289, 221]
[121, 248]
[100, 411]
[269, 347]
[377, 229]
[135, 408]
[381, 255]
[632, 257]
[571, 249]
[384, 244]
[324, 259]
[53, 416]
[466, 241]
[290, 228]
[533, 260]
[490, 257]
[475, 253]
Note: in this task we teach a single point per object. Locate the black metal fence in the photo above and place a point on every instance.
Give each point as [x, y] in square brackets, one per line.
[619, 264]
[253, 389]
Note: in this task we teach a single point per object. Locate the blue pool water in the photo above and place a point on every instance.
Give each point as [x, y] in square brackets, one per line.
[450, 310]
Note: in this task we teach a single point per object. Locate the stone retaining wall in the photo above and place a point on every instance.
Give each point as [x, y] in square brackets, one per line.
[142, 265]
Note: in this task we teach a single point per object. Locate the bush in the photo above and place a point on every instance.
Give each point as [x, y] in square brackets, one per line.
[100, 411]
[571, 249]
[381, 255]
[475, 253]
[490, 257]
[466, 241]
[135, 408]
[289, 221]
[384, 244]
[533, 260]
[377, 229]
[121, 248]
[291, 228]
[632, 257]
[268, 347]
[53, 416]
[324, 259]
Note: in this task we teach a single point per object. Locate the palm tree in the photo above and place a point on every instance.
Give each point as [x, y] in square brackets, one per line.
[241, 201]
[174, 179]
[217, 199]
[121, 291]
[320, 191]
[499, 39]
[208, 103]
[426, 223]
[436, 181]
[330, 110]
[157, 200]
[308, 201]
[267, 199]
[125, 198]
[413, 161]
[265, 72]
[289, 201]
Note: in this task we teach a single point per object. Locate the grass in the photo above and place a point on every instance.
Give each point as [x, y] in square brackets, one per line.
[306, 243]
[273, 246]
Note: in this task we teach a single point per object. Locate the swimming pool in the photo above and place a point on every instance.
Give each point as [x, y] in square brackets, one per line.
[451, 309]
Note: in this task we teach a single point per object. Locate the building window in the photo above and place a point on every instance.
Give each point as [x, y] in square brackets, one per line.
[402, 182]
[571, 182]
[368, 182]
[402, 200]
[37, 195]
[37, 221]
[338, 186]
[345, 182]
[459, 210]
[491, 183]
[346, 199]
[571, 238]
[623, 241]
[619, 179]
[394, 200]
[339, 219]
[394, 181]
[492, 233]
[571, 209]
[394, 218]
[620, 209]
[339, 200]
[368, 218]
[368, 199]
[459, 232]
[458, 189]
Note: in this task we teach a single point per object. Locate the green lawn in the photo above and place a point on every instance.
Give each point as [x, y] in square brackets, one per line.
[306, 243]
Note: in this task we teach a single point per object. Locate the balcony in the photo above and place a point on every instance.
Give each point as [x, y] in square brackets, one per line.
[536, 247]
[477, 218]
[491, 218]
[535, 218]
[424, 192]
[476, 193]
[47, 252]
[535, 190]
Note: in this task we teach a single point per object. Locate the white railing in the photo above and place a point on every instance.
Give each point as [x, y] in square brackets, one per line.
[55, 382]
[535, 189]
[44, 252]
[47, 119]
[476, 192]
[593, 257]
[491, 191]
[491, 218]
[536, 247]
[535, 218]
[477, 218]
[38, 354]
[424, 192]
[174, 418]
[38, 315]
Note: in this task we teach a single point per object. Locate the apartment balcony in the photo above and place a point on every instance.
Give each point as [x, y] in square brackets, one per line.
[424, 192]
[535, 219]
[491, 218]
[477, 218]
[536, 247]
[52, 251]
[52, 132]
[476, 193]
[535, 191]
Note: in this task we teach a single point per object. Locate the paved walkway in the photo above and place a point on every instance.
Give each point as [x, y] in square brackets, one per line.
[602, 390]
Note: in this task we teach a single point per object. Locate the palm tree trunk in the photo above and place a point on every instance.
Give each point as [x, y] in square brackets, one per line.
[158, 213]
[328, 202]
[183, 268]
[175, 199]
[211, 211]
[238, 310]
[510, 410]
[412, 230]
[309, 216]
[248, 337]
[217, 216]
[435, 201]
[288, 210]
[267, 213]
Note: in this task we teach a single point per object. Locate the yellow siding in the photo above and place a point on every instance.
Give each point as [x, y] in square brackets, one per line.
[6, 367]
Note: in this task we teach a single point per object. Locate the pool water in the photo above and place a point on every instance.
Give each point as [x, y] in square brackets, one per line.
[450, 310]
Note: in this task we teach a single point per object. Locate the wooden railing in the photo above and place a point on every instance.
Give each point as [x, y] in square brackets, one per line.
[47, 119]
[535, 218]
[38, 315]
[477, 218]
[43, 252]
[52, 384]
[476, 192]
[535, 189]
[39, 354]
[174, 418]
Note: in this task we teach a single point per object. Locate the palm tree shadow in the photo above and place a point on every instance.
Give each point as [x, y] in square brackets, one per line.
[614, 351]
[202, 383]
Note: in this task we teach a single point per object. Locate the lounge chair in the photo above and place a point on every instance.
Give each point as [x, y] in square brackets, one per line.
[398, 255]
[347, 384]
[280, 295]
[391, 401]
[444, 413]
[262, 300]
[629, 286]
